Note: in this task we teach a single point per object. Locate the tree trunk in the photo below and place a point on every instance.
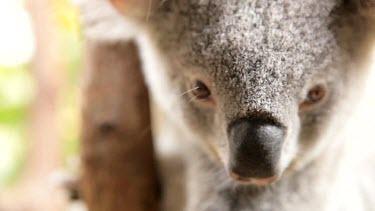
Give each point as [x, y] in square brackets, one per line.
[119, 171]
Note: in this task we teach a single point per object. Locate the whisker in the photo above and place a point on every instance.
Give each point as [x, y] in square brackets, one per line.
[190, 90]
[195, 97]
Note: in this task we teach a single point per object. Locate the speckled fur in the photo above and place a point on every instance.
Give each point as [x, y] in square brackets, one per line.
[259, 58]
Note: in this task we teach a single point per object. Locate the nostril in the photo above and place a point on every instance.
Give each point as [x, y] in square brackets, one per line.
[255, 148]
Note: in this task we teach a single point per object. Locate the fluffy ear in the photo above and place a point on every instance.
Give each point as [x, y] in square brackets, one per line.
[135, 8]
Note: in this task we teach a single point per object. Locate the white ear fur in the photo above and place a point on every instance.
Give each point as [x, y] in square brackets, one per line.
[102, 22]
[135, 8]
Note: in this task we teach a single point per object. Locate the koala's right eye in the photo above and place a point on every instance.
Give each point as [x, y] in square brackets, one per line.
[200, 91]
[314, 96]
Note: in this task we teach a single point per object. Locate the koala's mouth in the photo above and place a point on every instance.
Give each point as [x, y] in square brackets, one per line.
[253, 181]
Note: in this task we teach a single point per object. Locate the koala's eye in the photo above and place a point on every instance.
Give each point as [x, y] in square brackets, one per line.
[314, 96]
[200, 90]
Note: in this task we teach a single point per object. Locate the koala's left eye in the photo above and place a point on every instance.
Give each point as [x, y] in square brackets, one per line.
[200, 90]
[314, 96]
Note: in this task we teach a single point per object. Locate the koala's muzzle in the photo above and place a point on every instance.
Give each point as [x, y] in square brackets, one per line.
[255, 148]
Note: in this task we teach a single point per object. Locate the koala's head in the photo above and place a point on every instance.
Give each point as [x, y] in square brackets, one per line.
[258, 83]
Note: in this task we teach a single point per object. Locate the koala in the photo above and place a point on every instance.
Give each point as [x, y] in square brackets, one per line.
[253, 98]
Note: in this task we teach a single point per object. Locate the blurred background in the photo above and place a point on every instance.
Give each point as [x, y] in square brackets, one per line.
[40, 65]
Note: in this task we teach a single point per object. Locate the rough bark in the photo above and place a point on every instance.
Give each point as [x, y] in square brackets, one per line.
[119, 170]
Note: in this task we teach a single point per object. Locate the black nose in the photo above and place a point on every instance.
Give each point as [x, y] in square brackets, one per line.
[255, 148]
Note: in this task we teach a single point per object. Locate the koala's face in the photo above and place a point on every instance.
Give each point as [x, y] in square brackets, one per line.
[256, 82]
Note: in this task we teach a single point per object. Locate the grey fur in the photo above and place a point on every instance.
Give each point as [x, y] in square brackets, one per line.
[260, 58]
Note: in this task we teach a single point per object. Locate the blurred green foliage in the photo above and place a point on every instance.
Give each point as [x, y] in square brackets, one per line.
[17, 91]
[15, 95]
